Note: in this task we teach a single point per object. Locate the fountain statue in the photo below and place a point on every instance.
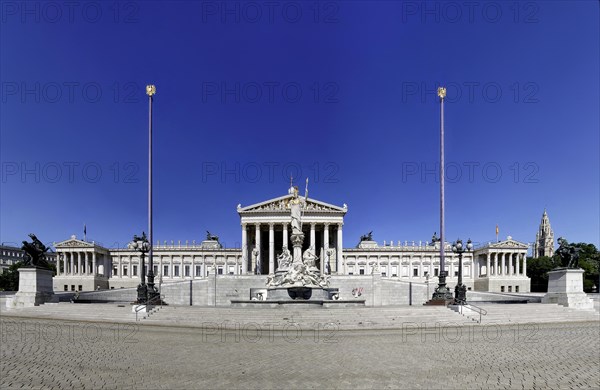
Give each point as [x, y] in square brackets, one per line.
[297, 272]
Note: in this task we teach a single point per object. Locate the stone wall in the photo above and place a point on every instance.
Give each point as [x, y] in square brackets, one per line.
[219, 290]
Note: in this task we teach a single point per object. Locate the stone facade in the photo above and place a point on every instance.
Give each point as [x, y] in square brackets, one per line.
[265, 230]
[10, 255]
[544, 239]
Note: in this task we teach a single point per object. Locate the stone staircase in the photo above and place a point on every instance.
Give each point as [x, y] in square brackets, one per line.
[120, 313]
[277, 318]
[529, 313]
[388, 317]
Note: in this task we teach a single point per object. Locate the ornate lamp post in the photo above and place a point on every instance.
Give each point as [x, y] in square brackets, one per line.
[141, 245]
[460, 291]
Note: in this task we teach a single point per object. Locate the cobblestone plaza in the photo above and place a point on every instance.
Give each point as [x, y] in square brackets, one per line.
[40, 353]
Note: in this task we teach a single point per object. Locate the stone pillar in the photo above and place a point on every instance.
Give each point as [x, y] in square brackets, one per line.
[510, 264]
[518, 265]
[326, 247]
[431, 267]
[86, 263]
[120, 266]
[94, 264]
[193, 270]
[410, 267]
[130, 272]
[312, 235]
[271, 249]
[487, 265]
[172, 269]
[244, 250]
[524, 265]
[258, 257]
[285, 235]
[78, 263]
[340, 249]
[495, 264]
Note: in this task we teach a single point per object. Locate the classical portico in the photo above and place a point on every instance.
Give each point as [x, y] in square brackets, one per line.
[502, 267]
[81, 265]
[266, 229]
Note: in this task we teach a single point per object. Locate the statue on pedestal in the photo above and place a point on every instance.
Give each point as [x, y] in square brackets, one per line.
[296, 205]
[299, 269]
[367, 237]
[434, 239]
[256, 260]
[309, 258]
[211, 237]
[284, 259]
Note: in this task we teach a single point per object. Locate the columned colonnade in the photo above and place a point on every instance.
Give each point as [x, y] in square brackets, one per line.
[256, 260]
[82, 263]
[504, 263]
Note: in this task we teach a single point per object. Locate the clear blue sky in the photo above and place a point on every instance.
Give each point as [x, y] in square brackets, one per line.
[345, 92]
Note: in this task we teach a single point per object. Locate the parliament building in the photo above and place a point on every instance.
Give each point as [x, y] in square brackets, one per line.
[265, 230]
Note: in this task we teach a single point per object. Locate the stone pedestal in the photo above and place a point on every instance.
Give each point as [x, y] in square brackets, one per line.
[35, 288]
[565, 287]
[367, 244]
[297, 240]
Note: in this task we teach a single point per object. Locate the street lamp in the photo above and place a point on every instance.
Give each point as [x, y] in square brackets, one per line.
[141, 245]
[460, 291]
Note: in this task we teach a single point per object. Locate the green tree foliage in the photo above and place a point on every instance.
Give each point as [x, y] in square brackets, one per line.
[589, 261]
[537, 270]
[9, 279]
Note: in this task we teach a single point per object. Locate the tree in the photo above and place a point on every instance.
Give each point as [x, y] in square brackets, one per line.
[537, 270]
[589, 261]
[9, 279]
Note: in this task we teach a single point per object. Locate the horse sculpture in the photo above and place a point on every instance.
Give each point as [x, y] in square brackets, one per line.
[211, 237]
[35, 253]
[569, 254]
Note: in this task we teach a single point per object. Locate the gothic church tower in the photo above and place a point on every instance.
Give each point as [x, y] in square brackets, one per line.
[544, 239]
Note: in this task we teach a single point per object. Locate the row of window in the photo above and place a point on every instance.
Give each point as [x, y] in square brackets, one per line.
[362, 270]
[13, 254]
[510, 289]
[176, 270]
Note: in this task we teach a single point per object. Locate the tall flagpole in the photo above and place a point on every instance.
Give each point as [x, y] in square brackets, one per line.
[442, 293]
[150, 91]
[442, 95]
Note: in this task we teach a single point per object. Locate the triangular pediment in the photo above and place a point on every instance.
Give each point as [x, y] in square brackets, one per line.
[509, 243]
[281, 205]
[74, 243]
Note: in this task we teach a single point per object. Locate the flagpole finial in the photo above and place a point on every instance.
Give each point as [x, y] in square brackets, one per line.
[441, 93]
[150, 89]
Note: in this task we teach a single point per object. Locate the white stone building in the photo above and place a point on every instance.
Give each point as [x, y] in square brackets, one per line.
[265, 230]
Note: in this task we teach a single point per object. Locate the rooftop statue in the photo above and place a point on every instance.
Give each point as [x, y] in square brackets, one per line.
[35, 253]
[211, 237]
[367, 237]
